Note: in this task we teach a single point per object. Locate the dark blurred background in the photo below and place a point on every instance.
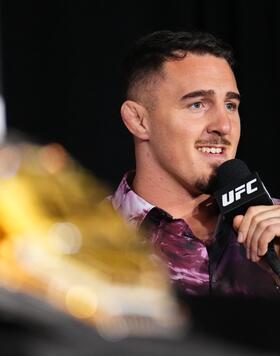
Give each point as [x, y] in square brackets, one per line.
[61, 73]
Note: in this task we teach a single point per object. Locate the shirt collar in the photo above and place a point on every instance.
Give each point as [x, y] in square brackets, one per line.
[131, 206]
[137, 210]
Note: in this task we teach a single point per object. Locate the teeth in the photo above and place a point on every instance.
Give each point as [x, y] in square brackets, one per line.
[215, 150]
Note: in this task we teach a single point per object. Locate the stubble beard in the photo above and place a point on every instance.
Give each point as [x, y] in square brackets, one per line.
[206, 185]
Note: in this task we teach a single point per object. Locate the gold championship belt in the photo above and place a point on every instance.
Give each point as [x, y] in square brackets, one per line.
[61, 242]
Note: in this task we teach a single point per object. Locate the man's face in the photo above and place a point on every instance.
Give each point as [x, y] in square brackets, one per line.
[194, 125]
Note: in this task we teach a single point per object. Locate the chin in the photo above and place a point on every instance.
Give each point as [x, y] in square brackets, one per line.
[205, 184]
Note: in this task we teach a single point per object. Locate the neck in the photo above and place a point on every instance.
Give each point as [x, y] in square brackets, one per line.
[199, 211]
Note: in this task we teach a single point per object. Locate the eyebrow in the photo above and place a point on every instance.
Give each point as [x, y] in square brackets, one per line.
[205, 93]
[233, 95]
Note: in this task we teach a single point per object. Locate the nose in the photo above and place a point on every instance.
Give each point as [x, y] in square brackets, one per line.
[220, 121]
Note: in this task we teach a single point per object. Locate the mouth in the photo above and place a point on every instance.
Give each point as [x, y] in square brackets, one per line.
[217, 151]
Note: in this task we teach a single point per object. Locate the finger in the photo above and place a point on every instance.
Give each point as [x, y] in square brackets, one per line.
[259, 223]
[253, 215]
[268, 235]
[237, 222]
[258, 237]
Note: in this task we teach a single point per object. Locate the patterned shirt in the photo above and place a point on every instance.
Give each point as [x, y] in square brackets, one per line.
[220, 268]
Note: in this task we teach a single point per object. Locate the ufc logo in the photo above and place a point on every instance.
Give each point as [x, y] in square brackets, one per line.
[235, 194]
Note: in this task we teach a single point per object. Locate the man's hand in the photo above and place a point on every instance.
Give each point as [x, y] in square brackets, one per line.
[257, 228]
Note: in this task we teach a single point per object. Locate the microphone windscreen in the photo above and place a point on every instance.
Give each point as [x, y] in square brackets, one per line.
[230, 172]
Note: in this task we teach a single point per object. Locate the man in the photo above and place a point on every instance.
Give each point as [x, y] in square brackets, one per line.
[182, 109]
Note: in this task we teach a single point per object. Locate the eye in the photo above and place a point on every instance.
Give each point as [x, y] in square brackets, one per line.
[231, 106]
[196, 106]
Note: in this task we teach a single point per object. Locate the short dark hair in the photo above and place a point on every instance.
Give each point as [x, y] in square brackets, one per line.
[149, 53]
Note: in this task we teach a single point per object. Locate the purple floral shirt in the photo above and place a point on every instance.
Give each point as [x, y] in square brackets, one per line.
[220, 268]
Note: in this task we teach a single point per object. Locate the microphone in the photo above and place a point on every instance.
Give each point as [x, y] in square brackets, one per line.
[236, 188]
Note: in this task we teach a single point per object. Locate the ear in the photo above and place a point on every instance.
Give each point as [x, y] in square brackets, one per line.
[135, 116]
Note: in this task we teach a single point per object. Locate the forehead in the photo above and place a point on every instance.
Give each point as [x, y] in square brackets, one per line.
[197, 72]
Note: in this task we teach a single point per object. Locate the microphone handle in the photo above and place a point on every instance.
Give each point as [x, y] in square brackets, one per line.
[272, 258]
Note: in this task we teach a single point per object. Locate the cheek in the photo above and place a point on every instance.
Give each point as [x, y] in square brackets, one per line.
[237, 132]
[175, 147]
[170, 135]
[173, 137]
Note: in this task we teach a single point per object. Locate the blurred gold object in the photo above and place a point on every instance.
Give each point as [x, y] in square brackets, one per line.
[60, 241]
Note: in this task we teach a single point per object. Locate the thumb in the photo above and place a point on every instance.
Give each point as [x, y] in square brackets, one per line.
[237, 222]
